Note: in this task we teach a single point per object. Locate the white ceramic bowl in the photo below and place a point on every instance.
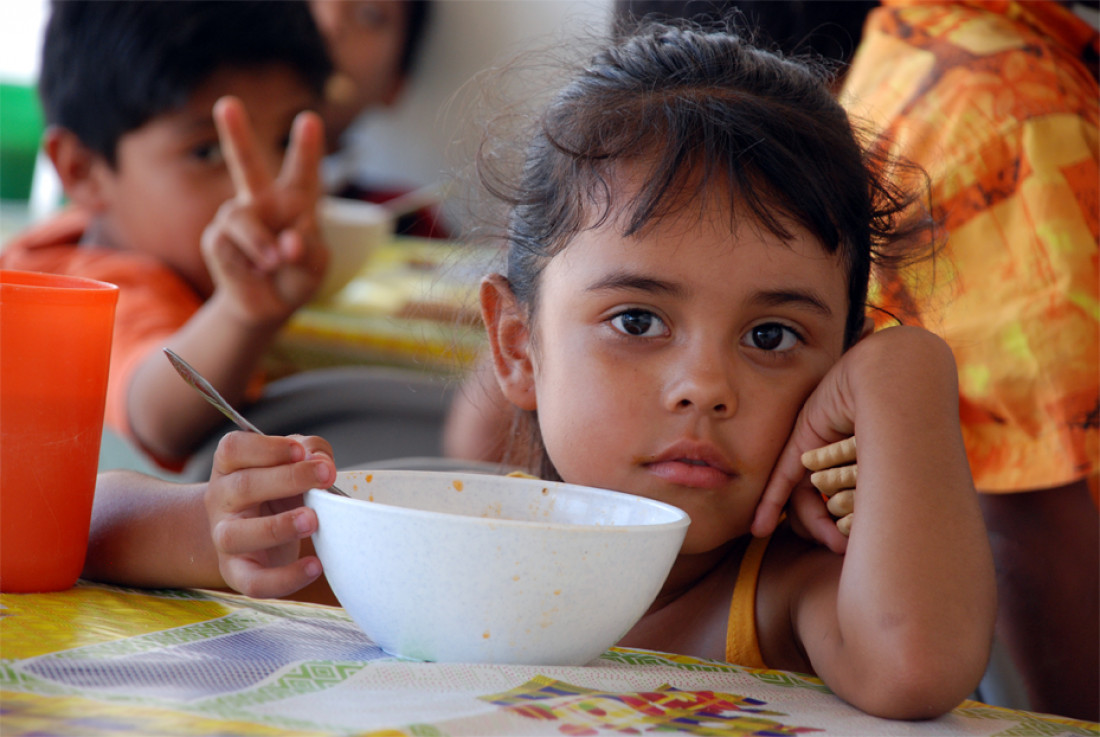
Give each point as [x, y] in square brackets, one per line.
[351, 229]
[469, 567]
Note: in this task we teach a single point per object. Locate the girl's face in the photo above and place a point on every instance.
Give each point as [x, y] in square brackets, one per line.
[672, 364]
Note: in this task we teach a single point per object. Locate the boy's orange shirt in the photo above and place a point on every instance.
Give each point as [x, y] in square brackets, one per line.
[154, 302]
[996, 100]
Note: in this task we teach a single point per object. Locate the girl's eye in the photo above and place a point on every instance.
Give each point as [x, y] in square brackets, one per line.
[772, 336]
[640, 323]
[209, 153]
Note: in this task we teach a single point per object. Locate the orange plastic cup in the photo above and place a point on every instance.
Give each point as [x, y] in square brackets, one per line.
[55, 348]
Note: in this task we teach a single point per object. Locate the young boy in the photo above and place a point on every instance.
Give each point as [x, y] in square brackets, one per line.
[208, 264]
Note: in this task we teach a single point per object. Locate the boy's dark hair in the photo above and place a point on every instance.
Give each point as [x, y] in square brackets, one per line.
[110, 67]
[703, 112]
[417, 13]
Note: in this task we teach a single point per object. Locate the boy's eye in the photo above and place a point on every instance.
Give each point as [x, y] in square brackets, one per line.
[772, 336]
[641, 323]
[209, 153]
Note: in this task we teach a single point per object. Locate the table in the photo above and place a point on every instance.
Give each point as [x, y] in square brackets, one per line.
[99, 660]
[412, 305]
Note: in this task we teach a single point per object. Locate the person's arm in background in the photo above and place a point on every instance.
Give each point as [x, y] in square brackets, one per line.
[479, 418]
[265, 256]
[1046, 545]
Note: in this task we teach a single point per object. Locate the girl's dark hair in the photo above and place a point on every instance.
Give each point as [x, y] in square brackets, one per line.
[110, 67]
[698, 108]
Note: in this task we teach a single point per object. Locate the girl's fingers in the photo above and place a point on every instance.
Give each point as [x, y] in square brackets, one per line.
[253, 579]
[243, 490]
[246, 166]
[834, 454]
[244, 535]
[314, 445]
[809, 510]
[786, 475]
[240, 450]
[842, 503]
[832, 480]
[302, 165]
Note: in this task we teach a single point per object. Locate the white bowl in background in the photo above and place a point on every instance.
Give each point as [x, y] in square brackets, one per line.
[471, 567]
[351, 230]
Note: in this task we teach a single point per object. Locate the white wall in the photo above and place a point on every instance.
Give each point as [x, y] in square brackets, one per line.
[414, 142]
[21, 24]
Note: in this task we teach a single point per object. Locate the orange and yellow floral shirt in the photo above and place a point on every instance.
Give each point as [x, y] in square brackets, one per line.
[998, 101]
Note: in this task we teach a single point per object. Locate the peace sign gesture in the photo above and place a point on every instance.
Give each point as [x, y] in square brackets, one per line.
[263, 248]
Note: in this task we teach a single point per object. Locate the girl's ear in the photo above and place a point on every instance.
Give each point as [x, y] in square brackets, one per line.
[80, 169]
[510, 341]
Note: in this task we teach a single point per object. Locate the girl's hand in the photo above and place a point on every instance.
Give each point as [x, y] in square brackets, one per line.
[254, 506]
[823, 437]
[263, 248]
[834, 473]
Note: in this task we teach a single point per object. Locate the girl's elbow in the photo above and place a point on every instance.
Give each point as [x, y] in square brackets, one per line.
[925, 684]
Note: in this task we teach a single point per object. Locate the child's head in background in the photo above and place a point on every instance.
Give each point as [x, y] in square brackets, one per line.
[374, 46]
[127, 89]
[689, 248]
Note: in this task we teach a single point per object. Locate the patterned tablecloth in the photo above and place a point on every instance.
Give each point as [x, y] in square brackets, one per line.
[98, 660]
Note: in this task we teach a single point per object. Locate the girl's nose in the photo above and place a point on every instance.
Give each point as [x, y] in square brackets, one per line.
[705, 387]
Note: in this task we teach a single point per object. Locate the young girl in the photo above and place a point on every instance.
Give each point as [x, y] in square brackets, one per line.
[683, 316]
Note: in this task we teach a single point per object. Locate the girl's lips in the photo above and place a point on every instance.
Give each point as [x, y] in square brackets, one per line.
[684, 472]
[691, 464]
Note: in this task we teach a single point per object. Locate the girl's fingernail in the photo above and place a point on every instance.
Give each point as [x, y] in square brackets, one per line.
[313, 568]
[302, 523]
[297, 453]
[321, 471]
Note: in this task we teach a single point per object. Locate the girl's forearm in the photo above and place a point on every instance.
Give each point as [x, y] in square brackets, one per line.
[148, 532]
[917, 589]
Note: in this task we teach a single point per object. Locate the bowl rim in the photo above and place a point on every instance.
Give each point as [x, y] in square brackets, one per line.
[681, 518]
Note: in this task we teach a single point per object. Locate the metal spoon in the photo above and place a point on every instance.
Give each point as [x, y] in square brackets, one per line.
[195, 379]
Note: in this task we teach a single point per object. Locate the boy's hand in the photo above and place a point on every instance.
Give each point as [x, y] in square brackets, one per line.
[254, 505]
[263, 248]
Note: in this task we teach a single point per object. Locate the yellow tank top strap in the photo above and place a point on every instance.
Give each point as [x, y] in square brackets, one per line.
[742, 645]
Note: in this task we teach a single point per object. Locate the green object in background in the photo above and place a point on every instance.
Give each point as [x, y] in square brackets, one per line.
[20, 132]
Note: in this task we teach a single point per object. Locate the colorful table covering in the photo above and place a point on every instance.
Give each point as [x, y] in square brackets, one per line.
[99, 660]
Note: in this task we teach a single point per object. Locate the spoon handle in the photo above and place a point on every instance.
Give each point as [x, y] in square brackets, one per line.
[210, 394]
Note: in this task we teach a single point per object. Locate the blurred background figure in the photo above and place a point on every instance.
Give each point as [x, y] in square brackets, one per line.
[999, 102]
[374, 46]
